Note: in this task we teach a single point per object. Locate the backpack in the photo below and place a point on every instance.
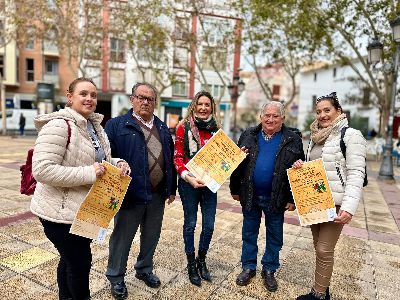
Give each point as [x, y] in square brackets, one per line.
[343, 149]
[28, 182]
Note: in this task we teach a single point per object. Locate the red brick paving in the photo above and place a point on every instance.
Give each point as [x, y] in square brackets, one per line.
[6, 221]
[392, 192]
[13, 165]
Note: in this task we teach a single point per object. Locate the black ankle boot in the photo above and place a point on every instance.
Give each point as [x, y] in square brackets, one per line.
[202, 266]
[327, 296]
[313, 295]
[192, 269]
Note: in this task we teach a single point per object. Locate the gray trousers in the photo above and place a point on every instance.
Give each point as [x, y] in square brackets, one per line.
[126, 223]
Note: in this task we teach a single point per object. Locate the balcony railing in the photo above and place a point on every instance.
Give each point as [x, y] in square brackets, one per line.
[49, 48]
[55, 79]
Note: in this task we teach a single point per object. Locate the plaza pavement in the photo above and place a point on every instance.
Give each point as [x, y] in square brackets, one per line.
[367, 263]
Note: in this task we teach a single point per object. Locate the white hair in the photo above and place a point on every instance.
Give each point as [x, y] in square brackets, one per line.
[277, 104]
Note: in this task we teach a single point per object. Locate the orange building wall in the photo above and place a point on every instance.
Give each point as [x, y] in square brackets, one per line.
[65, 72]
[36, 54]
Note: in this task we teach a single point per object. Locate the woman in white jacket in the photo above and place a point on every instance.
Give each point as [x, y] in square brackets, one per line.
[64, 172]
[345, 176]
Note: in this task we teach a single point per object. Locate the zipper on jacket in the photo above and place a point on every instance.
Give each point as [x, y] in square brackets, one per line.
[64, 200]
[340, 175]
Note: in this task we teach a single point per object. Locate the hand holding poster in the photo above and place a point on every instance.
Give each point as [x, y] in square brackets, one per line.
[312, 193]
[216, 161]
[101, 204]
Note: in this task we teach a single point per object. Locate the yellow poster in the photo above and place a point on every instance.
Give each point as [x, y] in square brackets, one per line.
[216, 161]
[101, 204]
[312, 193]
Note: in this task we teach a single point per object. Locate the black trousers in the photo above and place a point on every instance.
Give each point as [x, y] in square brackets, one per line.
[126, 223]
[75, 260]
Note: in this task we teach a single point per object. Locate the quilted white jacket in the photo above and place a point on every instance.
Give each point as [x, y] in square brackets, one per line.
[347, 190]
[64, 175]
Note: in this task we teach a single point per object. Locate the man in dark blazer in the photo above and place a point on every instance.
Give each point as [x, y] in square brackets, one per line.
[144, 141]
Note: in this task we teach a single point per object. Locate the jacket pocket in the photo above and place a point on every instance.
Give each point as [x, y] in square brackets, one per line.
[291, 155]
[125, 140]
[293, 152]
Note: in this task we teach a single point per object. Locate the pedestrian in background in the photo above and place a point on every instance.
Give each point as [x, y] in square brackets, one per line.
[22, 122]
[379, 144]
[65, 172]
[396, 148]
[192, 133]
[261, 185]
[346, 178]
[145, 142]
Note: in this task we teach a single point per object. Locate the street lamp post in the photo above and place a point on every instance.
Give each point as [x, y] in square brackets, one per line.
[3, 107]
[235, 90]
[375, 49]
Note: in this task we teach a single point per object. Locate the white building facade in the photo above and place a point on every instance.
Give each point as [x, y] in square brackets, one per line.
[323, 79]
[279, 82]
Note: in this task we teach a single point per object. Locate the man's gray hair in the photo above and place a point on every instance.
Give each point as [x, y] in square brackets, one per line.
[277, 104]
[150, 86]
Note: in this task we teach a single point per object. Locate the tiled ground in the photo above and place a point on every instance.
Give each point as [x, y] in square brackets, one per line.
[367, 258]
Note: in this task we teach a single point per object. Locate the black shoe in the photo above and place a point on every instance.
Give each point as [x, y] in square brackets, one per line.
[308, 296]
[244, 277]
[119, 290]
[150, 279]
[202, 266]
[192, 270]
[311, 296]
[269, 280]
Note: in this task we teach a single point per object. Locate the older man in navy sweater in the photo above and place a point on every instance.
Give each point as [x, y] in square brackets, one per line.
[261, 185]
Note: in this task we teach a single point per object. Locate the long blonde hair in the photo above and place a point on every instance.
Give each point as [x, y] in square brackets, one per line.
[192, 107]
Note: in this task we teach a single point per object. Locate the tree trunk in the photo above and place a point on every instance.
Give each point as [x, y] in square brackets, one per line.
[384, 121]
[386, 107]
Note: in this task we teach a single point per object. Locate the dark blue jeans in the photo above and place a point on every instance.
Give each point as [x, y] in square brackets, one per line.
[191, 198]
[273, 239]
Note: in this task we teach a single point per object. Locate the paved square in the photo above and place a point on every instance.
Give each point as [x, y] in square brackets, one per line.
[27, 259]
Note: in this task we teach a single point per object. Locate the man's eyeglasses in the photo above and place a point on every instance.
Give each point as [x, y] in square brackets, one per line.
[330, 96]
[269, 116]
[142, 99]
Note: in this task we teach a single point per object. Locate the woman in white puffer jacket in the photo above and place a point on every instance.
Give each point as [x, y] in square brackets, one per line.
[346, 178]
[65, 172]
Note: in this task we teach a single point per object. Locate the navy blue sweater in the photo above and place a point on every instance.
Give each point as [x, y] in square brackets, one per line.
[290, 149]
[128, 142]
[265, 164]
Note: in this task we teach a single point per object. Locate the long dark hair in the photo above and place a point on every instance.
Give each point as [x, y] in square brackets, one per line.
[333, 99]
